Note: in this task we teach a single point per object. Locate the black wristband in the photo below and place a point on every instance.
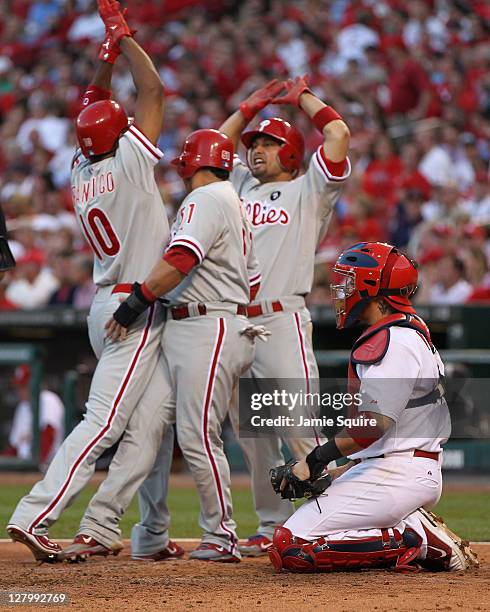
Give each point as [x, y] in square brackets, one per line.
[138, 293]
[132, 307]
[321, 456]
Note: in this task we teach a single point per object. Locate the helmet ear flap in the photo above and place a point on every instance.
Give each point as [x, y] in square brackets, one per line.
[288, 158]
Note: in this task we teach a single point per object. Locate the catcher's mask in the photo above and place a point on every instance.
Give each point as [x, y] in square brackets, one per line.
[204, 149]
[99, 126]
[370, 270]
[292, 150]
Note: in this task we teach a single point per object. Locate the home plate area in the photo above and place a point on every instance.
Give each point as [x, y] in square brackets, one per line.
[116, 583]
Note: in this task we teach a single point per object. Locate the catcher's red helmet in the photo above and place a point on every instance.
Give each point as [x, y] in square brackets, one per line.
[204, 148]
[99, 126]
[369, 270]
[293, 149]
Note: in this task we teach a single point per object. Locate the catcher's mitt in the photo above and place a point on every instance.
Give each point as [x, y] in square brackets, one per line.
[296, 488]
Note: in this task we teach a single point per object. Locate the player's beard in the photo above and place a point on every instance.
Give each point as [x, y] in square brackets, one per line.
[266, 172]
[259, 171]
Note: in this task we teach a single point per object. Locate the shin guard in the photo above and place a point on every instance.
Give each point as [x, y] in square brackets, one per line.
[390, 549]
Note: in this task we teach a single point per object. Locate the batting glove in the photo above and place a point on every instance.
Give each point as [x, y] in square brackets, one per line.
[114, 21]
[260, 98]
[109, 50]
[256, 331]
[294, 89]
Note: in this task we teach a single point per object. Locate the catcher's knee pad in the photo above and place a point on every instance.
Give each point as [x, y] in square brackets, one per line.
[282, 537]
[388, 549]
[290, 552]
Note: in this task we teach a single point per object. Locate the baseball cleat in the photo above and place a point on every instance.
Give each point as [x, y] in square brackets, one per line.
[256, 546]
[85, 546]
[213, 552]
[171, 551]
[446, 551]
[41, 546]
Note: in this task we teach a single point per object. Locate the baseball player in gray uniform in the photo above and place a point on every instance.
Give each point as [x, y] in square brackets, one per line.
[118, 205]
[205, 279]
[289, 215]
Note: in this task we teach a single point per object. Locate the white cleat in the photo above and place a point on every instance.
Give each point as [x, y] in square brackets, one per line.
[446, 551]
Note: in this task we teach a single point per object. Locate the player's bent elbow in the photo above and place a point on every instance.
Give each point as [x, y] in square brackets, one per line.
[156, 90]
[337, 141]
[340, 132]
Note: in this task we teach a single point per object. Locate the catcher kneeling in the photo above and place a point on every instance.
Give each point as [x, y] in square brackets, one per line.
[373, 510]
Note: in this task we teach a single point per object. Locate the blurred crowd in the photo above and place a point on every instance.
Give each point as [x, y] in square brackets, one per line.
[411, 79]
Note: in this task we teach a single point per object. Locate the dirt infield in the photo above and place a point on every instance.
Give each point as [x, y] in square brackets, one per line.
[122, 584]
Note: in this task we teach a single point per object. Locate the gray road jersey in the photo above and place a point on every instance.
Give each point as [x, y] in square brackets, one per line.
[120, 210]
[289, 219]
[212, 223]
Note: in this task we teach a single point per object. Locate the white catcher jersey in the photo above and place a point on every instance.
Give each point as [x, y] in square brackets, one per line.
[289, 219]
[120, 210]
[409, 370]
[213, 224]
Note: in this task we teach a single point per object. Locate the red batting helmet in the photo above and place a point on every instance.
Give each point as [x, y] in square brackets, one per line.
[204, 148]
[293, 149]
[370, 270]
[99, 126]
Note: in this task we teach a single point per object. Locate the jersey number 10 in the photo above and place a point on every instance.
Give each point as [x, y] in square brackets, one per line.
[102, 237]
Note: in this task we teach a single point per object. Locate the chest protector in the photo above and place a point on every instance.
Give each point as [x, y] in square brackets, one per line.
[372, 345]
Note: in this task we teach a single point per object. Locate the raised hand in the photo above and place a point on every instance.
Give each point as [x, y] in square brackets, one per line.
[260, 98]
[294, 89]
[108, 9]
[114, 20]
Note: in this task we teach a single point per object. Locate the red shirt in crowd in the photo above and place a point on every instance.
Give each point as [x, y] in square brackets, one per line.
[379, 179]
[415, 181]
[406, 85]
